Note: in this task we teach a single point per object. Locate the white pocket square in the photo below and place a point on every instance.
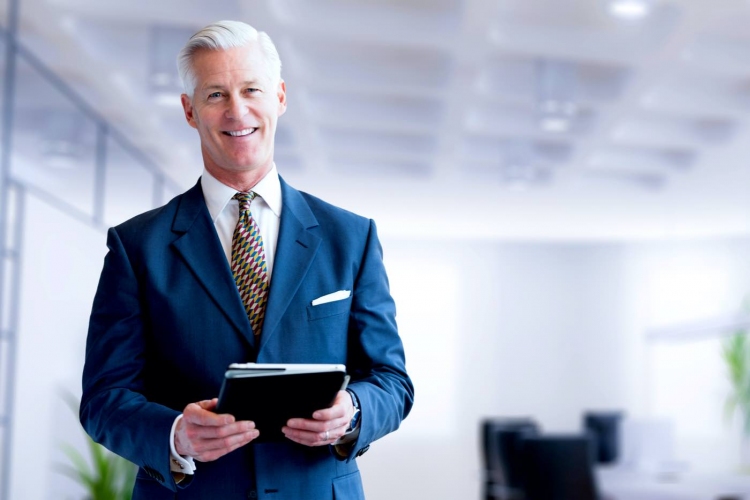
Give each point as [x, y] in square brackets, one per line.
[332, 297]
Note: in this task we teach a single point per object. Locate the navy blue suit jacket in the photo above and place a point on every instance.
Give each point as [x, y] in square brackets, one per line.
[167, 320]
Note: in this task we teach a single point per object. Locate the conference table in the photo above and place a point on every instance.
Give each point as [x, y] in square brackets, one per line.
[618, 483]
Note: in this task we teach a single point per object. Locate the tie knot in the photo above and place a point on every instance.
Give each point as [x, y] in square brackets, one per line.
[244, 199]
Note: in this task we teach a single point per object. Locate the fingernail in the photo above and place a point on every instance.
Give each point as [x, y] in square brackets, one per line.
[316, 415]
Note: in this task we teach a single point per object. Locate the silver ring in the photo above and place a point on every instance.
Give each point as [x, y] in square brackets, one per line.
[326, 439]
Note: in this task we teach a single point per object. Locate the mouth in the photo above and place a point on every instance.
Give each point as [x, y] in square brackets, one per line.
[240, 133]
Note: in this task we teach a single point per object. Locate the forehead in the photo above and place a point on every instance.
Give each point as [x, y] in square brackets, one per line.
[220, 66]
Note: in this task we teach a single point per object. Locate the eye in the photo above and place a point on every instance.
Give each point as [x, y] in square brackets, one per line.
[214, 95]
[252, 90]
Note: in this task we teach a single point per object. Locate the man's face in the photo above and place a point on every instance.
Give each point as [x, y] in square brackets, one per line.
[235, 107]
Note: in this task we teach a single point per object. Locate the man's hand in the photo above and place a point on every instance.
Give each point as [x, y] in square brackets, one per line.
[325, 427]
[206, 436]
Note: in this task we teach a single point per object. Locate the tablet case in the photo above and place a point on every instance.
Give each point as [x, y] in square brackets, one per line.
[270, 397]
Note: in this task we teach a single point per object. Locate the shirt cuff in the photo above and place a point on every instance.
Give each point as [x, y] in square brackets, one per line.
[178, 463]
[350, 436]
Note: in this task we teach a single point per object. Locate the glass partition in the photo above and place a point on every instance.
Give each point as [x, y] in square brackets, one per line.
[129, 186]
[170, 191]
[3, 78]
[65, 154]
[4, 7]
[54, 142]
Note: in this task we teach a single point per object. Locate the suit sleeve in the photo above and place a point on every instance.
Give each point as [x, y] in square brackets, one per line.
[114, 410]
[376, 359]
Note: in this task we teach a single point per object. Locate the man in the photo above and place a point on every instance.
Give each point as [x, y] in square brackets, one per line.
[242, 267]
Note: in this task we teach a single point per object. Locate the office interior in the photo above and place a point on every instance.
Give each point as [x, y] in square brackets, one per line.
[560, 187]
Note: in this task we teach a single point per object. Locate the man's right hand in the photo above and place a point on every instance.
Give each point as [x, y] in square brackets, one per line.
[206, 436]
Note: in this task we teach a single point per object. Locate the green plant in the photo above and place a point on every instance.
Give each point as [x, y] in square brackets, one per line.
[107, 476]
[736, 355]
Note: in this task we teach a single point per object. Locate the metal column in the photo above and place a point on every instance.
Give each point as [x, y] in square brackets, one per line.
[10, 217]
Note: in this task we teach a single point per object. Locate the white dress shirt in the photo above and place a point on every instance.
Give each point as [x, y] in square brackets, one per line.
[225, 212]
[265, 209]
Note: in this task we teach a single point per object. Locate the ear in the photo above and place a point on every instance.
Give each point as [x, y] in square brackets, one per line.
[281, 94]
[187, 107]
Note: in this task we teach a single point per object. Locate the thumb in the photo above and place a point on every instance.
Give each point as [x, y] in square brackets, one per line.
[208, 404]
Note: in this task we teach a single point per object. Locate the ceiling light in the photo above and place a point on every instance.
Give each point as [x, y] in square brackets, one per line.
[168, 99]
[520, 165]
[165, 41]
[63, 138]
[523, 176]
[162, 79]
[62, 154]
[629, 9]
[554, 124]
[557, 83]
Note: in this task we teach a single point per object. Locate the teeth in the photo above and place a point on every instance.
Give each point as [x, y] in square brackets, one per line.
[241, 133]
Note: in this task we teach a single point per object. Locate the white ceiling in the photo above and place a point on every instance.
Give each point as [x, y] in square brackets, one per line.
[426, 115]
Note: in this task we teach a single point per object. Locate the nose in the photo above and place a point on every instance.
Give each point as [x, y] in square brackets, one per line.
[236, 108]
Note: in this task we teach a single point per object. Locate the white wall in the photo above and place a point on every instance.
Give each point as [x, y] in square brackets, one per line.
[62, 259]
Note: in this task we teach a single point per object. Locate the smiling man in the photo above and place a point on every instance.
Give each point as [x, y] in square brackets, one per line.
[242, 267]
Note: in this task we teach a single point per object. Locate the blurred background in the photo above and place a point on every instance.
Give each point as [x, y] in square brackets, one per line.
[561, 189]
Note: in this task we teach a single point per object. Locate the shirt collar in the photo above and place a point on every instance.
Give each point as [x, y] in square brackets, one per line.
[217, 195]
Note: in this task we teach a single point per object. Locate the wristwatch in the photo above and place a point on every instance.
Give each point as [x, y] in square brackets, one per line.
[355, 418]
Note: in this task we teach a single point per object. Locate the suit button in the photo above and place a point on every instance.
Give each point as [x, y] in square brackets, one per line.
[154, 473]
[252, 494]
[363, 450]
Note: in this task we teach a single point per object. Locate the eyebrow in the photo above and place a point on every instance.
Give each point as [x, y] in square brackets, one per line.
[246, 83]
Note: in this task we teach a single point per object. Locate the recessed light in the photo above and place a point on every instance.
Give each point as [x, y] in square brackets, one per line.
[168, 99]
[554, 124]
[629, 9]
[161, 79]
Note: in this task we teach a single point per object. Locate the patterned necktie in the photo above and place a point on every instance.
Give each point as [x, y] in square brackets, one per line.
[249, 263]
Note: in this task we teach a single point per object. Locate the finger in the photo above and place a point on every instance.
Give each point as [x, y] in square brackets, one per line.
[210, 454]
[310, 438]
[208, 404]
[307, 424]
[203, 445]
[302, 437]
[331, 413]
[218, 432]
[195, 413]
[341, 406]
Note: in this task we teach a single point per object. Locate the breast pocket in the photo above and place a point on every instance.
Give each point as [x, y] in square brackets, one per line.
[329, 309]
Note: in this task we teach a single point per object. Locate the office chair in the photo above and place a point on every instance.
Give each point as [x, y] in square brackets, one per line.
[604, 427]
[559, 468]
[502, 442]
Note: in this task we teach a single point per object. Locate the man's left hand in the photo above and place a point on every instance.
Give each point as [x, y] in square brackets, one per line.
[326, 426]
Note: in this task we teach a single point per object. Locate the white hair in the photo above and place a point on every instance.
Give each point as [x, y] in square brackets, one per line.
[223, 35]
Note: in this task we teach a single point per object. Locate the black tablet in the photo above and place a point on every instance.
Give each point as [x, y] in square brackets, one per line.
[271, 394]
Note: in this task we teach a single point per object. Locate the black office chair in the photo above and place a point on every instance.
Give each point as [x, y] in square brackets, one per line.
[559, 468]
[502, 443]
[604, 428]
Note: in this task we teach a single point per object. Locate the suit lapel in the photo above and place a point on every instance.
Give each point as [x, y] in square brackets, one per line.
[295, 249]
[199, 246]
